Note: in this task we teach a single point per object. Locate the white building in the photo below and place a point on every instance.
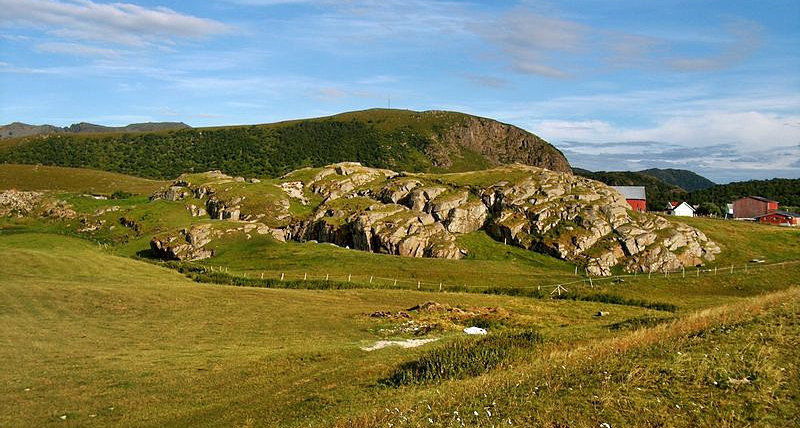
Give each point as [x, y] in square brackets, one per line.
[680, 209]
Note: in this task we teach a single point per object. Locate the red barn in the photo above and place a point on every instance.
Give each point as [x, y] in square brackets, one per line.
[782, 218]
[753, 206]
[635, 195]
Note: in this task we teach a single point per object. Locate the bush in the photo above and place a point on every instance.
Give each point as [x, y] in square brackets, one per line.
[618, 300]
[463, 358]
[119, 194]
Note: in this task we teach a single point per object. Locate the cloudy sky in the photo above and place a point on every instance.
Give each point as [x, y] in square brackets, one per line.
[709, 85]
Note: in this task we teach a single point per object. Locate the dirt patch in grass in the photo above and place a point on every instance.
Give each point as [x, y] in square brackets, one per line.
[427, 317]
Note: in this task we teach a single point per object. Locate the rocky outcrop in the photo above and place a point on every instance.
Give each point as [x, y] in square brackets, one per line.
[20, 204]
[421, 215]
[188, 244]
[498, 143]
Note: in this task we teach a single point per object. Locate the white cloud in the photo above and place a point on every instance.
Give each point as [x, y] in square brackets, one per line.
[552, 47]
[119, 23]
[76, 49]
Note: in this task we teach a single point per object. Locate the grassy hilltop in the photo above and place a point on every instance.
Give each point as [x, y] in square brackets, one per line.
[396, 139]
[99, 336]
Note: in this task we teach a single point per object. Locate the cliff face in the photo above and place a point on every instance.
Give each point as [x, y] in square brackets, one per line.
[421, 215]
[498, 143]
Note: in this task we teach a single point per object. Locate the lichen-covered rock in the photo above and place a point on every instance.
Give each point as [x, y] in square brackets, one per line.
[18, 204]
[188, 244]
[420, 215]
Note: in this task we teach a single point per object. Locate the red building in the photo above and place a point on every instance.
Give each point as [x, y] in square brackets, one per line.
[635, 195]
[753, 206]
[783, 218]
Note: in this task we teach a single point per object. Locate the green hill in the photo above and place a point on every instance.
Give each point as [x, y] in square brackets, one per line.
[682, 178]
[431, 141]
[17, 129]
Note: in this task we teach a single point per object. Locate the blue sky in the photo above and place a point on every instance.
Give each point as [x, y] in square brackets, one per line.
[712, 86]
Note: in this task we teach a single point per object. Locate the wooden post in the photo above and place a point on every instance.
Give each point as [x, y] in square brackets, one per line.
[715, 271]
[370, 279]
[349, 276]
[305, 276]
[731, 269]
[440, 286]
[326, 277]
[262, 275]
[282, 274]
[417, 285]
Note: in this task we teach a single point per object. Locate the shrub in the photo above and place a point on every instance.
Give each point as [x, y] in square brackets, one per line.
[463, 358]
[618, 300]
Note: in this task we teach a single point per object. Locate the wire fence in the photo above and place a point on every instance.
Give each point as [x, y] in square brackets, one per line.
[583, 282]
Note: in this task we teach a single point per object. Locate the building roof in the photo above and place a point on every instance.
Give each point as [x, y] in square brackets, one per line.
[759, 198]
[632, 192]
[675, 205]
[780, 213]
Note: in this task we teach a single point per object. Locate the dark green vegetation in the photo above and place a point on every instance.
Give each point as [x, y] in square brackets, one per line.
[784, 190]
[395, 139]
[685, 179]
[463, 358]
[661, 190]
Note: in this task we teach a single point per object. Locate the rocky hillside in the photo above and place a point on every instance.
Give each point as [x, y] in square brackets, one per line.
[401, 140]
[421, 215]
[18, 129]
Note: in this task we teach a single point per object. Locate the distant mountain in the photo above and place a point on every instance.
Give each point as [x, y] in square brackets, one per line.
[685, 179]
[402, 140]
[19, 129]
[658, 191]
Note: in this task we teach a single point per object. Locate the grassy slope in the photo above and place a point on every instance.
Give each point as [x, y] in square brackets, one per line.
[37, 177]
[729, 366]
[89, 331]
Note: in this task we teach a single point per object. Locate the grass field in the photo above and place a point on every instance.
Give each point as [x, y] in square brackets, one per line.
[38, 177]
[97, 337]
[89, 331]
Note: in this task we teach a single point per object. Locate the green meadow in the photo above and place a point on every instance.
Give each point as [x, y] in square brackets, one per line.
[95, 333]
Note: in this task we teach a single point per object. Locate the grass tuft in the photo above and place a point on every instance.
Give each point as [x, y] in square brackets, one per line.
[465, 357]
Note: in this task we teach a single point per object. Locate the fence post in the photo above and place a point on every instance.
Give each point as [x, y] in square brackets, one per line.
[370, 279]
[349, 276]
[262, 275]
[715, 271]
[326, 277]
[282, 275]
[731, 269]
[305, 276]
[395, 282]
[417, 285]
[440, 286]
